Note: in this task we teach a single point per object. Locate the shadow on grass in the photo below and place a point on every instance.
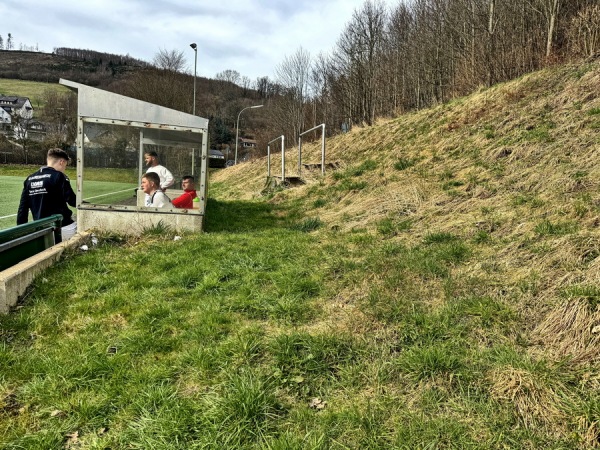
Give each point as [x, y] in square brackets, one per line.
[240, 216]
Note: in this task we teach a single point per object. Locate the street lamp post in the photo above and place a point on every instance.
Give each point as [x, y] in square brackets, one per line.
[237, 128]
[195, 47]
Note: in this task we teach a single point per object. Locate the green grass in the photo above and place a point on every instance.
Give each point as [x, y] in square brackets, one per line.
[549, 228]
[404, 163]
[9, 202]
[34, 90]
[98, 183]
[222, 340]
[416, 327]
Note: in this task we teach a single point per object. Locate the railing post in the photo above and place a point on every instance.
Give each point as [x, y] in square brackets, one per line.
[300, 155]
[282, 137]
[322, 126]
[282, 159]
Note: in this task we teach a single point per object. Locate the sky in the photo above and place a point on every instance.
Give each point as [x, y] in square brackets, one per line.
[251, 37]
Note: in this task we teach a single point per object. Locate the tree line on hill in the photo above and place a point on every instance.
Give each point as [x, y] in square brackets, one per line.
[100, 59]
[425, 52]
[386, 61]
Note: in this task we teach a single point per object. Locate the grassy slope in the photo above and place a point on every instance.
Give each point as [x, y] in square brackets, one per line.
[34, 90]
[511, 169]
[511, 166]
[439, 290]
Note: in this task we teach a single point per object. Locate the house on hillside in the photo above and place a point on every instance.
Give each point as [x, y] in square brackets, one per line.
[15, 114]
[36, 130]
[4, 117]
[11, 105]
[247, 143]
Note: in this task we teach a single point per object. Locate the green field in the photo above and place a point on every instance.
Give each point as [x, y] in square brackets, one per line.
[9, 202]
[94, 190]
[108, 193]
[31, 89]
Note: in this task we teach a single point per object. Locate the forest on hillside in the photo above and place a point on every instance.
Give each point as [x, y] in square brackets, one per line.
[83, 66]
[390, 60]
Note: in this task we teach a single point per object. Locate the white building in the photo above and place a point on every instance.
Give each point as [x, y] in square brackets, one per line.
[12, 106]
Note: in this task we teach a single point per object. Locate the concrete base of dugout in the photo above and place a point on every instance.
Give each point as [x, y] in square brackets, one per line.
[15, 280]
[135, 220]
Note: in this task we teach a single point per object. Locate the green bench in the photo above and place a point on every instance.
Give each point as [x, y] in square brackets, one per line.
[23, 241]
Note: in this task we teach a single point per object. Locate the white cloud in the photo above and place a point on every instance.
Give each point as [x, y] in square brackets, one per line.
[252, 36]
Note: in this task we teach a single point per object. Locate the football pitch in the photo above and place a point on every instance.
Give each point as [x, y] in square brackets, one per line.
[99, 192]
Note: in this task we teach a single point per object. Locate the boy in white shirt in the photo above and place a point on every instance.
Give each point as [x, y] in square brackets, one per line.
[154, 196]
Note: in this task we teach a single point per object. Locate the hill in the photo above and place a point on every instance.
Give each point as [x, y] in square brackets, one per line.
[87, 67]
[34, 90]
[511, 166]
[439, 289]
[31, 74]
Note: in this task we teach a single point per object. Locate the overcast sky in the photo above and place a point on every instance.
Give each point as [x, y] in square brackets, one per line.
[249, 36]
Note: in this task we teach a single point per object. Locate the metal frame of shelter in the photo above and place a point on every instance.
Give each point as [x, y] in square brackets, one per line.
[185, 135]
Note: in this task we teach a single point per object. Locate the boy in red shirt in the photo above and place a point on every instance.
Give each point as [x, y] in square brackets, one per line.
[186, 200]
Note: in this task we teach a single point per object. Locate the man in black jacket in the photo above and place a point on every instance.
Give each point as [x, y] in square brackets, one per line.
[48, 191]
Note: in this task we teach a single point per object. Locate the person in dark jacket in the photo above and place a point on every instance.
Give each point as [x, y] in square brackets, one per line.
[48, 191]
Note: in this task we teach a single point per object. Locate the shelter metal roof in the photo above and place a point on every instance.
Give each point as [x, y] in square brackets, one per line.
[97, 103]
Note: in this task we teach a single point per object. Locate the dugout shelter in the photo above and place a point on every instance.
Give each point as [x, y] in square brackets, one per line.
[113, 134]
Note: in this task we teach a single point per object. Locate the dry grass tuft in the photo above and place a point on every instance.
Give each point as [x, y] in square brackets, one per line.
[534, 402]
[571, 331]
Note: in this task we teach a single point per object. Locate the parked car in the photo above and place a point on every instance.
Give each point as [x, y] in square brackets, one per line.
[216, 158]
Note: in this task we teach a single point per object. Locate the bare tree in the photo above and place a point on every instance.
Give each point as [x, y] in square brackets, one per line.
[266, 88]
[433, 50]
[320, 81]
[162, 87]
[173, 60]
[358, 58]
[549, 10]
[584, 32]
[553, 12]
[20, 124]
[246, 84]
[150, 84]
[293, 75]
[60, 117]
[399, 33]
[230, 76]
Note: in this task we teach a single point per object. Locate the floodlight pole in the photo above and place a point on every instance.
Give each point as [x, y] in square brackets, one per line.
[237, 128]
[195, 47]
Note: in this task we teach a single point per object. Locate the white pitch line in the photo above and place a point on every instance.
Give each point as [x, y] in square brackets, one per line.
[110, 193]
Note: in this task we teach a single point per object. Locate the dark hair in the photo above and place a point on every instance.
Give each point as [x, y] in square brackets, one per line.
[187, 177]
[58, 153]
[152, 154]
[152, 176]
